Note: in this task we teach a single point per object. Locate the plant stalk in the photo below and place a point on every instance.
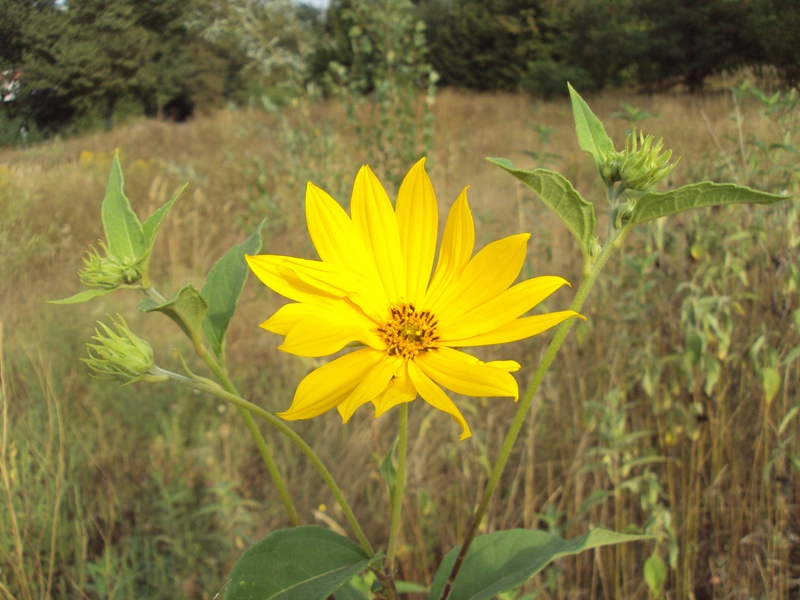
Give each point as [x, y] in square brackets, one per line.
[522, 411]
[399, 490]
[295, 439]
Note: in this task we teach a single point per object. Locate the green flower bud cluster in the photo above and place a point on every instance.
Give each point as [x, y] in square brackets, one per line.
[639, 167]
[108, 272]
[121, 355]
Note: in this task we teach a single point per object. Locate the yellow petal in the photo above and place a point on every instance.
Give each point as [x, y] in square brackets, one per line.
[457, 244]
[500, 310]
[400, 390]
[338, 242]
[433, 395]
[511, 366]
[303, 280]
[288, 315]
[371, 386]
[418, 223]
[374, 219]
[328, 329]
[464, 374]
[517, 329]
[330, 384]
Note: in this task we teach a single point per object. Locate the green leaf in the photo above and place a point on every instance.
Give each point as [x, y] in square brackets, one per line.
[409, 587]
[187, 308]
[559, 195]
[223, 288]
[655, 574]
[788, 418]
[698, 195]
[348, 592]
[84, 296]
[771, 381]
[153, 222]
[303, 563]
[504, 560]
[592, 136]
[123, 230]
[389, 470]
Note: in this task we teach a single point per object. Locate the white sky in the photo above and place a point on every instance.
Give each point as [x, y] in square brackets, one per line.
[317, 3]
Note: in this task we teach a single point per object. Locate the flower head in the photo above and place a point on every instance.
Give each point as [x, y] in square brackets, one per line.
[121, 355]
[640, 166]
[107, 271]
[373, 287]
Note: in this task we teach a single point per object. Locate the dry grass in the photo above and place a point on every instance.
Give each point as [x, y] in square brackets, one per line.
[116, 479]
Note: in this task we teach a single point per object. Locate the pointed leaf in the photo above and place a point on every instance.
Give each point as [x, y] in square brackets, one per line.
[123, 230]
[592, 136]
[223, 288]
[187, 308]
[698, 195]
[559, 195]
[153, 222]
[504, 560]
[84, 296]
[771, 382]
[655, 574]
[303, 563]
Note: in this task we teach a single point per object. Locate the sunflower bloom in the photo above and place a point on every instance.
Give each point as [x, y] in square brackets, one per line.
[373, 288]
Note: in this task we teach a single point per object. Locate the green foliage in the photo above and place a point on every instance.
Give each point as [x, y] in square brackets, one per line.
[563, 199]
[547, 78]
[592, 136]
[304, 563]
[125, 235]
[504, 560]
[222, 289]
[187, 308]
[655, 575]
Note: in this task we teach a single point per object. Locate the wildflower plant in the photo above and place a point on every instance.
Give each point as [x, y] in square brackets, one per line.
[403, 318]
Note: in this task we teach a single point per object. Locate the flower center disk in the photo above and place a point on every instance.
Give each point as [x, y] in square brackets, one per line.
[408, 332]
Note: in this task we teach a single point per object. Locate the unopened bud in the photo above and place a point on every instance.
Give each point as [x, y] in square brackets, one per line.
[107, 271]
[121, 355]
[640, 166]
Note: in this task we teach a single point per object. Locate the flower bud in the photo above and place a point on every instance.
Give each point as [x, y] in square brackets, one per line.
[121, 355]
[107, 271]
[639, 167]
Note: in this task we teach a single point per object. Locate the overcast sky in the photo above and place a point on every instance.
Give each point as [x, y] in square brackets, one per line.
[317, 3]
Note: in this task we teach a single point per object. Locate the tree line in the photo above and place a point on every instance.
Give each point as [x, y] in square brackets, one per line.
[74, 64]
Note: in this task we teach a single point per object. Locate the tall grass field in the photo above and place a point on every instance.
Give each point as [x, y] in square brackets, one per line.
[673, 409]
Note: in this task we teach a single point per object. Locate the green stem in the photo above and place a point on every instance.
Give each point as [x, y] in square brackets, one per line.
[397, 498]
[522, 411]
[277, 479]
[293, 437]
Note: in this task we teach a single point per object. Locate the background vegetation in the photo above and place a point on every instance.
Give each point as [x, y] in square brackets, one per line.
[673, 410]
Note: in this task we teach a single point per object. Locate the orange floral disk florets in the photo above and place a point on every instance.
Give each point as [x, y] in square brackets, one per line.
[408, 332]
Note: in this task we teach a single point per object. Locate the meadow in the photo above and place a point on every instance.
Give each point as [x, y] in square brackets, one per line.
[673, 409]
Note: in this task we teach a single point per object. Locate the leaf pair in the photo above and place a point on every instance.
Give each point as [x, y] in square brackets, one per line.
[211, 309]
[311, 563]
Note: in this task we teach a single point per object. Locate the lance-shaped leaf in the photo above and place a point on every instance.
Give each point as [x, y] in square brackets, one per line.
[153, 222]
[504, 560]
[223, 288]
[187, 308]
[698, 195]
[83, 296]
[559, 195]
[592, 136]
[124, 233]
[388, 469]
[303, 563]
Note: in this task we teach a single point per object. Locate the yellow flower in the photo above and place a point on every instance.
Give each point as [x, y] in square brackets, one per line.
[373, 287]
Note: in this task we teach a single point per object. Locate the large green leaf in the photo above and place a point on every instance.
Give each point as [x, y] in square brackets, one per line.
[153, 222]
[592, 136]
[504, 560]
[187, 308]
[84, 296]
[303, 563]
[123, 231]
[698, 195]
[559, 195]
[223, 288]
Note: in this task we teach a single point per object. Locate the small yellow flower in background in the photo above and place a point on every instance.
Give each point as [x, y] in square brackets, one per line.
[373, 287]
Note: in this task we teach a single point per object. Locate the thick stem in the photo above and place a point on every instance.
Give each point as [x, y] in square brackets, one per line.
[522, 411]
[399, 490]
[293, 437]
